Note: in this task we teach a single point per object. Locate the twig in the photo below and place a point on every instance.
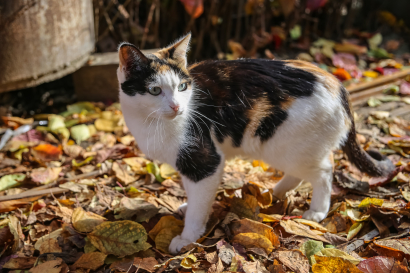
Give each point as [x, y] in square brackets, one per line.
[147, 24]
[33, 193]
[114, 19]
[378, 81]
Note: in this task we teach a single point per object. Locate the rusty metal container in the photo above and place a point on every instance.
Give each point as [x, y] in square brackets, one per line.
[43, 40]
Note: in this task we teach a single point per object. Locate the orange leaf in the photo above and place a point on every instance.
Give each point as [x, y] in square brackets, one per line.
[47, 152]
[342, 74]
[193, 7]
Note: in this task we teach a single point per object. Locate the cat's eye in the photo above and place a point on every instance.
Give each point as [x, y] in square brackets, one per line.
[155, 91]
[182, 87]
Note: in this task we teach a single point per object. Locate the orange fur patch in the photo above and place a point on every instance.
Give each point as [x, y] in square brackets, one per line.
[261, 109]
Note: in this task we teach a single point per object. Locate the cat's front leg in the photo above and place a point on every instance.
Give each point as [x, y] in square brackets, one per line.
[201, 195]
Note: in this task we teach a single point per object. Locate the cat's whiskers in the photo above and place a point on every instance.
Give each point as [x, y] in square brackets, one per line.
[212, 121]
[246, 99]
[150, 115]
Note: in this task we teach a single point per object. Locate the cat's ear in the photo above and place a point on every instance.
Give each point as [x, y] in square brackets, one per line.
[131, 57]
[179, 49]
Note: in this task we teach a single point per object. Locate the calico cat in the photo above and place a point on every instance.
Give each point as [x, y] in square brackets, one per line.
[290, 114]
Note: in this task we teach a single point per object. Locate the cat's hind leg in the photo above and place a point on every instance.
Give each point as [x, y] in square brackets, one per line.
[286, 184]
[321, 179]
[201, 195]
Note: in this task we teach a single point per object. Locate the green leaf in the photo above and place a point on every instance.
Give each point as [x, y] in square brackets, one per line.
[354, 230]
[373, 102]
[80, 133]
[120, 238]
[154, 169]
[295, 32]
[55, 122]
[78, 108]
[11, 180]
[310, 248]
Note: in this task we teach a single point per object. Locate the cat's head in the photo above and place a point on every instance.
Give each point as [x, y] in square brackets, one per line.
[158, 84]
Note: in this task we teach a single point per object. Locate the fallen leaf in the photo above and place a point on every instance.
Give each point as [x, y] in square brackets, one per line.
[164, 231]
[85, 221]
[73, 151]
[127, 140]
[91, 261]
[300, 230]
[135, 206]
[120, 238]
[333, 252]
[154, 169]
[381, 264]
[49, 245]
[367, 202]
[399, 249]
[11, 180]
[354, 230]
[45, 175]
[137, 164]
[295, 260]
[20, 263]
[333, 265]
[310, 248]
[74, 187]
[188, 261]
[122, 174]
[250, 240]
[105, 125]
[47, 152]
[145, 263]
[250, 226]
[54, 266]
[80, 133]
[167, 171]
[245, 208]
[311, 224]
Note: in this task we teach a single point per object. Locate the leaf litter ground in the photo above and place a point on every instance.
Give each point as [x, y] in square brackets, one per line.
[77, 195]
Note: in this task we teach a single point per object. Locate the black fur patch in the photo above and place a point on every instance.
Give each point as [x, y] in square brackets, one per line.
[230, 88]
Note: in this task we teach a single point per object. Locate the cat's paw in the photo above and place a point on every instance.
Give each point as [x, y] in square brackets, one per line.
[182, 209]
[316, 216]
[177, 244]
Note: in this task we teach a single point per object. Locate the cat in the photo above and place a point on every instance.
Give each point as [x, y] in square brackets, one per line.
[290, 114]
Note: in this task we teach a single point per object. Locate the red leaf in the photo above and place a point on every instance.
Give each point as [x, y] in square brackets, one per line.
[381, 264]
[47, 152]
[193, 7]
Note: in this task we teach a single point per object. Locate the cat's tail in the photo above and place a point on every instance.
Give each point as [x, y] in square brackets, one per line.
[371, 162]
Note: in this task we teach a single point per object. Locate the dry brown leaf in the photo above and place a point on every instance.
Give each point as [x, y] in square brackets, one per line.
[295, 260]
[92, 260]
[122, 174]
[165, 230]
[301, 230]
[20, 263]
[45, 175]
[54, 266]
[85, 221]
[311, 224]
[49, 245]
[250, 240]
[145, 263]
[245, 208]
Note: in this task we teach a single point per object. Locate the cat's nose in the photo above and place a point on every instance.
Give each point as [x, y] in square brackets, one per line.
[175, 108]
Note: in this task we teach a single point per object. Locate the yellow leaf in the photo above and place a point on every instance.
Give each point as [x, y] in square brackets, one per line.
[370, 74]
[354, 230]
[260, 163]
[165, 230]
[85, 221]
[333, 265]
[249, 240]
[333, 252]
[105, 125]
[167, 170]
[250, 226]
[270, 218]
[370, 201]
[188, 261]
[137, 164]
[312, 224]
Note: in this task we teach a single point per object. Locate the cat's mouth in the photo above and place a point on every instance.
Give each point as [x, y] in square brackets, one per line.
[173, 115]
